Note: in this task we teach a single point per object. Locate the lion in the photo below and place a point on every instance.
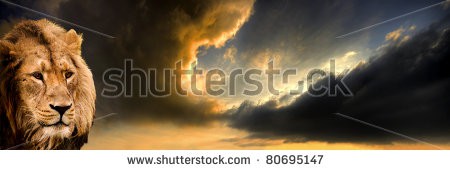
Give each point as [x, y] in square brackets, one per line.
[47, 93]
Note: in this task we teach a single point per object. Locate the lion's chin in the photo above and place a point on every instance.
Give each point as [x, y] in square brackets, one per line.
[58, 130]
[57, 136]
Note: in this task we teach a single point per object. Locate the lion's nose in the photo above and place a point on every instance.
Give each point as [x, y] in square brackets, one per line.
[61, 109]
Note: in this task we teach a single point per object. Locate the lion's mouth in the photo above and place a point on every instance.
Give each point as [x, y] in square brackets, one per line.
[57, 124]
[58, 129]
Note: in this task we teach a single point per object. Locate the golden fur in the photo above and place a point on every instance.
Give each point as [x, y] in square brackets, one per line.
[47, 93]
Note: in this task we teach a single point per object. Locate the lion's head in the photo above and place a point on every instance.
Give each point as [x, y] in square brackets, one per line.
[47, 94]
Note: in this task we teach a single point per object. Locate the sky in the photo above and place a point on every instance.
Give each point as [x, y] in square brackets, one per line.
[396, 70]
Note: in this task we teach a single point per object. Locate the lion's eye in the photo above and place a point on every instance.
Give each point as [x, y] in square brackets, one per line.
[38, 75]
[68, 74]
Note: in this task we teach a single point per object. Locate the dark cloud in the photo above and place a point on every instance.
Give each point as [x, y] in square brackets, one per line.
[406, 90]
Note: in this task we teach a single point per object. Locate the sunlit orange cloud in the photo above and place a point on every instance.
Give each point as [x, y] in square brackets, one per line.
[218, 24]
[399, 36]
[394, 35]
[215, 26]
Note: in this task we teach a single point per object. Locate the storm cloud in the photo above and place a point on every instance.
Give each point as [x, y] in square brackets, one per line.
[405, 89]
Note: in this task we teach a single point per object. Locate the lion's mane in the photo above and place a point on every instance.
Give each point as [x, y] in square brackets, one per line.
[12, 132]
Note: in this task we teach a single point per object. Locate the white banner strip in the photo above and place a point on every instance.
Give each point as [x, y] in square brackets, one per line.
[225, 159]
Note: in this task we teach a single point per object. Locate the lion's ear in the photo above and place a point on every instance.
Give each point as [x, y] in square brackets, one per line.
[73, 40]
[6, 51]
[5, 48]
